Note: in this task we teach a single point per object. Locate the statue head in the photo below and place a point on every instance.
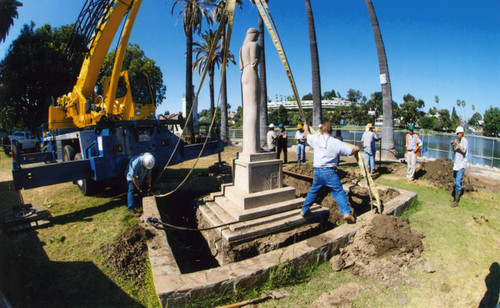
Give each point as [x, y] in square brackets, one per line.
[252, 34]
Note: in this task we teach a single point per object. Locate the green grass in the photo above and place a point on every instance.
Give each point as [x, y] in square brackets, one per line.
[63, 262]
[460, 248]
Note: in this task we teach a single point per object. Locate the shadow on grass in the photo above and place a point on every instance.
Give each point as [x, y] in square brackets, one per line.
[28, 278]
[492, 280]
[36, 281]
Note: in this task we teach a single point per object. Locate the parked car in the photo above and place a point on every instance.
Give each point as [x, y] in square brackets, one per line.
[26, 139]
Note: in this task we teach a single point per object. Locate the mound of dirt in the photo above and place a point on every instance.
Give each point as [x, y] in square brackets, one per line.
[440, 172]
[340, 297]
[383, 249]
[127, 254]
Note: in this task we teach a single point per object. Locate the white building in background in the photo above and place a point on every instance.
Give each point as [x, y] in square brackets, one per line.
[330, 103]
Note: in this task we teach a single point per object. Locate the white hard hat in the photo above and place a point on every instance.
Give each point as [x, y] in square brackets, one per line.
[319, 126]
[460, 129]
[148, 160]
[271, 125]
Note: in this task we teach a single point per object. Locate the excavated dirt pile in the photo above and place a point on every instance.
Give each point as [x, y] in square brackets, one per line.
[383, 249]
[440, 172]
[127, 254]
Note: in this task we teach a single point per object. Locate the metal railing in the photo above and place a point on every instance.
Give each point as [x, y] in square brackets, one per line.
[482, 150]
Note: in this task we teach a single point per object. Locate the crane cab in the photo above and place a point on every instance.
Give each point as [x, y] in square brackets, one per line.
[134, 100]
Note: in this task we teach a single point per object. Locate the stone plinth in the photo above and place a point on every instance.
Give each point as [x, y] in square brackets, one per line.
[259, 174]
[256, 205]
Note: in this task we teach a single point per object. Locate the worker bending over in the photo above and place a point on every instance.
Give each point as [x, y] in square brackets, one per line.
[139, 179]
[326, 158]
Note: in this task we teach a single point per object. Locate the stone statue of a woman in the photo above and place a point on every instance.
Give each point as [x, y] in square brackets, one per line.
[250, 88]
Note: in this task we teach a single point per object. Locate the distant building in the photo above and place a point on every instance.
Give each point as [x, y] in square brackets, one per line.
[308, 104]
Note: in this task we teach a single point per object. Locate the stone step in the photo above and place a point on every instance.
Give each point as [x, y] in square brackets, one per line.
[281, 225]
[209, 216]
[262, 198]
[270, 218]
[244, 215]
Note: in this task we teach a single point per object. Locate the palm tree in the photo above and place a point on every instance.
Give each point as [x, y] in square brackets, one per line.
[193, 11]
[388, 149]
[8, 11]
[202, 49]
[218, 14]
[436, 99]
[316, 80]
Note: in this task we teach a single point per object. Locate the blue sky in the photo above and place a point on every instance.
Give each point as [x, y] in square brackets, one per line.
[445, 48]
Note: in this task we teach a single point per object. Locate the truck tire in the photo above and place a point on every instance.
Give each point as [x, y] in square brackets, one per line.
[68, 153]
[87, 187]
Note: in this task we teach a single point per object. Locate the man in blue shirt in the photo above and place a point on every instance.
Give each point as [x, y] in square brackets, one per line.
[326, 158]
[368, 143]
[138, 178]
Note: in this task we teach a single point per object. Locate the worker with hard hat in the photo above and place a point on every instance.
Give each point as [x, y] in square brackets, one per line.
[413, 145]
[301, 144]
[368, 144]
[282, 143]
[460, 146]
[271, 138]
[139, 179]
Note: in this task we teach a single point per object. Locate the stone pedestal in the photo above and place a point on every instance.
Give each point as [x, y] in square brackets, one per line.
[256, 205]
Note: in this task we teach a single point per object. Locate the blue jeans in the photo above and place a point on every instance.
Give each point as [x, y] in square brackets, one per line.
[330, 179]
[370, 160]
[457, 179]
[301, 152]
[132, 198]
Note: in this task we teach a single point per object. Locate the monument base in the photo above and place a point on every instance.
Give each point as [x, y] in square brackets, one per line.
[256, 205]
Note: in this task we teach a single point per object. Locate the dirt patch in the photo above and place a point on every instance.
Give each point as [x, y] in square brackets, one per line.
[384, 249]
[340, 297]
[127, 254]
[440, 173]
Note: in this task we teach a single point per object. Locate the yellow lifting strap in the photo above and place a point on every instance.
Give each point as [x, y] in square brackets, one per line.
[227, 19]
[271, 28]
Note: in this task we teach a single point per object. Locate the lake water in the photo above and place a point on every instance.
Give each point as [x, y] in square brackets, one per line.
[482, 150]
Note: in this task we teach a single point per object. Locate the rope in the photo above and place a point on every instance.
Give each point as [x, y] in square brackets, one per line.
[229, 12]
[273, 32]
[154, 222]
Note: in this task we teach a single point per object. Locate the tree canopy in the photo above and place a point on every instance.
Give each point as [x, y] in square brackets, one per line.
[136, 60]
[34, 72]
[491, 126]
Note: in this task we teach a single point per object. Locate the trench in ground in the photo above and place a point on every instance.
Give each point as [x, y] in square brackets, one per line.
[192, 252]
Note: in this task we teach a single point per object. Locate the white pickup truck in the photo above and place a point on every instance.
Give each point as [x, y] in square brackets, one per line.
[28, 141]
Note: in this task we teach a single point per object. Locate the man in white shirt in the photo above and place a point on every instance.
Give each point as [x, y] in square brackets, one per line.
[326, 158]
[270, 138]
[460, 147]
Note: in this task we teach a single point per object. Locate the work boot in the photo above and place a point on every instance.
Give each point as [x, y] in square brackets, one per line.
[456, 199]
[453, 195]
[349, 219]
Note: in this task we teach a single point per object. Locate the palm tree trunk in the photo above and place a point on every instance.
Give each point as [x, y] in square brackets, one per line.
[263, 85]
[223, 105]
[189, 135]
[316, 80]
[388, 150]
[211, 86]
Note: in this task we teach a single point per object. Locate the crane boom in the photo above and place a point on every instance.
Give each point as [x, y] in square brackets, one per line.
[83, 107]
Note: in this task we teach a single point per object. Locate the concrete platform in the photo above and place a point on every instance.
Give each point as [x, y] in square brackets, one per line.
[174, 288]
